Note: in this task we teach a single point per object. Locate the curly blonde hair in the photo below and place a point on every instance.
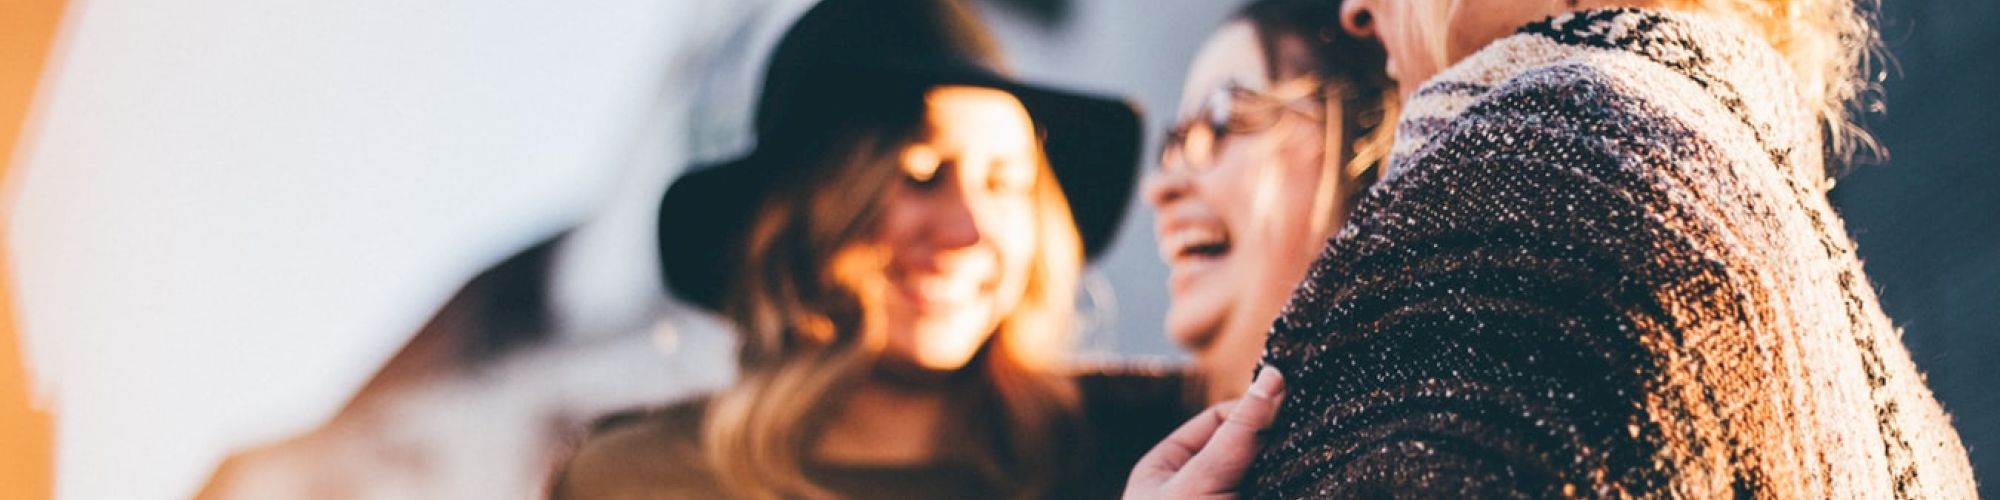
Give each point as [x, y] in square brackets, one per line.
[1834, 49]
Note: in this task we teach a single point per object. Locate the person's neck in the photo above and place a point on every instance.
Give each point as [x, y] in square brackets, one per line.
[885, 423]
[1583, 5]
[1229, 360]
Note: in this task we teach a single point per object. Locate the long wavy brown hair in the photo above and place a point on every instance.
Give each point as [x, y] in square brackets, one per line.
[808, 313]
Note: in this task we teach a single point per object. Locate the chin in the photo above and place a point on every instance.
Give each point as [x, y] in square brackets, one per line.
[948, 346]
[944, 356]
[943, 362]
[1192, 330]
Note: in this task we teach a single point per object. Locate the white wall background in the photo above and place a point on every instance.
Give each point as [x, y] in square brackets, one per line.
[231, 213]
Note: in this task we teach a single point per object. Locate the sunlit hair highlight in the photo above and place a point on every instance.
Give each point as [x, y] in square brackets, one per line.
[1359, 96]
[1832, 46]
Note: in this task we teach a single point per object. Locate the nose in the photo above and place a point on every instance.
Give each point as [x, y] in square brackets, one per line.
[1357, 18]
[954, 220]
[1165, 187]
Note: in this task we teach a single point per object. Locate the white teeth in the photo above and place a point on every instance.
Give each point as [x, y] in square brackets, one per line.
[946, 287]
[1177, 242]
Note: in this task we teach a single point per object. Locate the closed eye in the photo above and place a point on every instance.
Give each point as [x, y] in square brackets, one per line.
[927, 179]
[922, 167]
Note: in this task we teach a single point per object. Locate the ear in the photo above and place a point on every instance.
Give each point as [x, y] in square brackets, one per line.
[1357, 18]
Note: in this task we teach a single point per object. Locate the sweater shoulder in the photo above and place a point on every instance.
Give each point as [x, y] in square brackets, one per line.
[1596, 96]
[1596, 117]
[648, 453]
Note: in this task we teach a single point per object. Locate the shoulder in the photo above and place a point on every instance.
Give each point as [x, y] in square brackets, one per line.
[639, 454]
[1601, 150]
[1602, 109]
[1607, 66]
[1604, 130]
[1598, 106]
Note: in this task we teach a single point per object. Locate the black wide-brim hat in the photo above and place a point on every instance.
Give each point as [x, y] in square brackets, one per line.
[1092, 142]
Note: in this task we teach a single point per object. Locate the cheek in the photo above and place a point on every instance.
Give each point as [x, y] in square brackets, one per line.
[899, 219]
[1302, 146]
[1240, 169]
[1269, 183]
[1286, 230]
[1011, 235]
[1280, 200]
[1014, 237]
[1389, 27]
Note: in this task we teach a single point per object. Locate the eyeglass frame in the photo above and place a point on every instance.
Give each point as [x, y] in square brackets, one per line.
[1218, 114]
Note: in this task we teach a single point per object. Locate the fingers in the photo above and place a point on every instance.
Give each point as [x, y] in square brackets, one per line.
[1207, 456]
[1173, 452]
[1219, 465]
[1259, 406]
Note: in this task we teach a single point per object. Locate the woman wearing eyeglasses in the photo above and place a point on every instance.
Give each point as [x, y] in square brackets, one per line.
[1278, 133]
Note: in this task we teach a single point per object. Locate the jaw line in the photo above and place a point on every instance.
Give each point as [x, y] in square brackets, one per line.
[1211, 312]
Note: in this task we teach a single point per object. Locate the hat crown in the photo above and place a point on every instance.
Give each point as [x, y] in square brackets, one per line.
[838, 44]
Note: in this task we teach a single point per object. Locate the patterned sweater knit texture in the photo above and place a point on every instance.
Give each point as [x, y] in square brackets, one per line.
[1601, 263]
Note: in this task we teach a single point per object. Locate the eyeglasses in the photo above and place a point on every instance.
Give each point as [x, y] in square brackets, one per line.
[1234, 109]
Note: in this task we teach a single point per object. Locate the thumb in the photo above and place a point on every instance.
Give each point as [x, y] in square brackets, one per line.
[1220, 465]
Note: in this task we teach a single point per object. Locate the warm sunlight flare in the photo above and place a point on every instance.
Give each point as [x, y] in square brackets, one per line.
[27, 30]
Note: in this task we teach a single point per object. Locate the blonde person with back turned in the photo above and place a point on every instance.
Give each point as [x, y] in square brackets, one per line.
[1600, 263]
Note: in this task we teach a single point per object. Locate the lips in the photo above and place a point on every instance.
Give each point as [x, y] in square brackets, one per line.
[958, 285]
[1190, 247]
[1194, 241]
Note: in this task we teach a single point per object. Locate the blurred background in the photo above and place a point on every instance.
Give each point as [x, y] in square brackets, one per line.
[271, 238]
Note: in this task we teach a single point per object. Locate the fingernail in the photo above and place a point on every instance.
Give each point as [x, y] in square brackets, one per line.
[1269, 383]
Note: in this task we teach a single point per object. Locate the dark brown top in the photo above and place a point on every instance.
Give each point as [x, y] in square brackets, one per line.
[1600, 266]
[656, 454]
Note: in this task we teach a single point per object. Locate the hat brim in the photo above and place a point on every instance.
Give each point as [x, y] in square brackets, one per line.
[701, 222]
[1092, 144]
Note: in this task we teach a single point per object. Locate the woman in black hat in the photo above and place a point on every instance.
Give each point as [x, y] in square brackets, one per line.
[899, 254]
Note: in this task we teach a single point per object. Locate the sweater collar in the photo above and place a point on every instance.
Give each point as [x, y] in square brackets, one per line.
[1726, 59]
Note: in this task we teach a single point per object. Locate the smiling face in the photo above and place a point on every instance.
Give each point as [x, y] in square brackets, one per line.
[959, 228]
[1239, 232]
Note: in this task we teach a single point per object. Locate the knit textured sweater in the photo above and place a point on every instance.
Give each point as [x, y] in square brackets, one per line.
[1601, 263]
